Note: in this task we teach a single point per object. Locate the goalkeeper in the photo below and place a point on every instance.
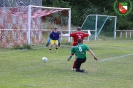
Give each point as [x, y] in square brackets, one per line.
[49, 39]
[80, 51]
[54, 39]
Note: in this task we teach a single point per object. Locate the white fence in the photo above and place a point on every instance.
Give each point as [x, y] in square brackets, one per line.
[125, 33]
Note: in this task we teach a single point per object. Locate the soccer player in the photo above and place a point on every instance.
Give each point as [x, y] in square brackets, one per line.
[49, 39]
[54, 35]
[76, 35]
[80, 51]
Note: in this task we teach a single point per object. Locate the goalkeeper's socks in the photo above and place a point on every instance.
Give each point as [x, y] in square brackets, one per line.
[50, 50]
[56, 49]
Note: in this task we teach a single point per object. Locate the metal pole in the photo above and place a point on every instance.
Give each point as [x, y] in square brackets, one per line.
[29, 24]
[115, 27]
[84, 21]
[96, 27]
[69, 24]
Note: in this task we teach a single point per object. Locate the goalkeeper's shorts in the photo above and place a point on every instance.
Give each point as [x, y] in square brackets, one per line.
[54, 42]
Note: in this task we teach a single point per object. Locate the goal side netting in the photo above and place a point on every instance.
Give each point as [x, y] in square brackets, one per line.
[100, 26]
[31, 24]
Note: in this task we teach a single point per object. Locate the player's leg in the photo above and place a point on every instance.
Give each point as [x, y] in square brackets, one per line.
[56, 43]
[48, 42]
[74, 64]
[78, 64]
[51, 45]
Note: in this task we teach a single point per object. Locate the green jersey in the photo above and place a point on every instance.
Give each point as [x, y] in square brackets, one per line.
[80, 50]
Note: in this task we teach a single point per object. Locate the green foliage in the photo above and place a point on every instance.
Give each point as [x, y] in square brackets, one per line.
[82, 8]
[124, 23]
[56, 3]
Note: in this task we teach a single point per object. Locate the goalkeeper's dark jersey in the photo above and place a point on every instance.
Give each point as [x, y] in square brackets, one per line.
[80, 51]
[54, 36]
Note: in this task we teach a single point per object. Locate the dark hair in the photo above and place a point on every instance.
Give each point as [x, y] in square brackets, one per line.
[55, 28]
[79, 28]
[79, 40]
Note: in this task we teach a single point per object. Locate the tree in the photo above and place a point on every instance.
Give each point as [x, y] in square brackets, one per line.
[82, 8]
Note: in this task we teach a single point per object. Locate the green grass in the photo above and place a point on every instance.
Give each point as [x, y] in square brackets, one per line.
[25, 69]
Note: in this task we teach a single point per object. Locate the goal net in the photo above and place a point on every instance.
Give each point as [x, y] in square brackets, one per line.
[31, 24]
[100, 26]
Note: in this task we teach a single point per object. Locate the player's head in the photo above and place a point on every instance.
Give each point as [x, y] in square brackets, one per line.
[78, 28]
[79, 40]
[55, 30]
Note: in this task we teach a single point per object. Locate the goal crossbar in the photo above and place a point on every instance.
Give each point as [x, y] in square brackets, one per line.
[25, 24]
[95, 25]
[50, 7]
[29, 18]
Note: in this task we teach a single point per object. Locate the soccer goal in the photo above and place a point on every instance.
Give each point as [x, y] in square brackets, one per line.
[31, 24]
[100, 25]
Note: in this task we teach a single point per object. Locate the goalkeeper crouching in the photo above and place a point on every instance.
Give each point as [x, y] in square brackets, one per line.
[54, 35]
[49, 39]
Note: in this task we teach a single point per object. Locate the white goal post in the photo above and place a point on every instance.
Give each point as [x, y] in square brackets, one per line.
[96, 23]
[43, 7]
[26, 24]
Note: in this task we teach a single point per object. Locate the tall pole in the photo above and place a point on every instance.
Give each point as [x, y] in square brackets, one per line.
[96, 27]
[69, 24]
[115, 27]
[29, 24]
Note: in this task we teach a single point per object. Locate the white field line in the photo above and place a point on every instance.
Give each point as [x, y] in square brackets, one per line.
[115, 57]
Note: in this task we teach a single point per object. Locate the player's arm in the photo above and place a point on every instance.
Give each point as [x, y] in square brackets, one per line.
[48, 41]
[89, 32]
[59, 34]
[59, 37]
[66, 35]
[51, 36]
[92, 53]
[71, 54]
[59, 40]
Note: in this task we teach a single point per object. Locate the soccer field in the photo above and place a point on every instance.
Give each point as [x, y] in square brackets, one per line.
[25, 68]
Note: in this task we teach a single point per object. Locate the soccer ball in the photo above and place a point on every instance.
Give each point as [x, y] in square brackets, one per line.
[44, 59]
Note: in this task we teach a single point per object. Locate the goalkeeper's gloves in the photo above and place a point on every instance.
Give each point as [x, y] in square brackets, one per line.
[69, 58]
